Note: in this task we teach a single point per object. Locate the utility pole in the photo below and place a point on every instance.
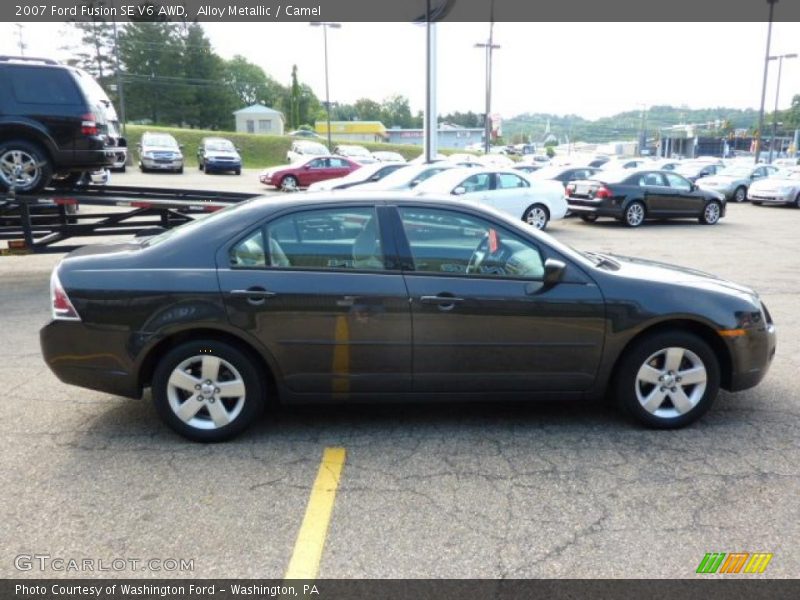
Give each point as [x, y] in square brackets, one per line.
[325, 27]
[120, 90]
[779, 58]
[764, 84]
[490, 47]
[20, 41]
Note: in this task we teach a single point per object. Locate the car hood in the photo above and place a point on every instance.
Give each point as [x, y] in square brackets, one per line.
[654, 271]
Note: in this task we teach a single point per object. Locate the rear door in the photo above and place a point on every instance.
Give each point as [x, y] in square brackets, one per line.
[482, 320]
[319, 289]
[658, 196]
[338, 168]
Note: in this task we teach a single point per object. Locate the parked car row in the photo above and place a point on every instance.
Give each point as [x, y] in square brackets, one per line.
[303, 149]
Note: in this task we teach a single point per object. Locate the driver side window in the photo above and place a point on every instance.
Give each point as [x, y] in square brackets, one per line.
[445, 242]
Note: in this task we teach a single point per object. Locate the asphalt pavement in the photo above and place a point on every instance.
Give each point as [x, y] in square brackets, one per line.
[462, 491]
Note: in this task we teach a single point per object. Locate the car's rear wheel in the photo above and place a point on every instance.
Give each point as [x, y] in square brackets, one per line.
[589, 218]
[24, 166]
[756, 202]
[711, 213]
[634, 214]
[537, 216]
[667, 380]
[179, 170]
[797, 201]
[289, 183]
[207, 391]
[740, 195]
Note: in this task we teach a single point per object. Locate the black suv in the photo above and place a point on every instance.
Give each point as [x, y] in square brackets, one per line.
[55, 123]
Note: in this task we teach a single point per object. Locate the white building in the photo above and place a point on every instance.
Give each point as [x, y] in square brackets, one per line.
[259, 119]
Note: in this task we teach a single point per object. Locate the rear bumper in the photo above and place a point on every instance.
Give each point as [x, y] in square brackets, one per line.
[84, 356]
[600, 208]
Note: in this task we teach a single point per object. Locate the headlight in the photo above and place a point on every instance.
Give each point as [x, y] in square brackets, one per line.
[147, 154]
[786, 190]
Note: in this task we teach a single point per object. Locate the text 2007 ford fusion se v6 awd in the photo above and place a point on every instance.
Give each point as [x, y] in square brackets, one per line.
[392, 297]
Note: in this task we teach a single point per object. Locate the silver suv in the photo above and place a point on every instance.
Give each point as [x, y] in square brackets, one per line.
[159, 152]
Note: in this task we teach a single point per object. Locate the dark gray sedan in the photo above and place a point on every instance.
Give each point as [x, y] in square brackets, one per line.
[388, 297]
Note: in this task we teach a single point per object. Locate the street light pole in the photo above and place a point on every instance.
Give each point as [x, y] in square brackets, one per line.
[764, 84]
[325, 26]
[490, 46]
[777, 95]
[120, 90]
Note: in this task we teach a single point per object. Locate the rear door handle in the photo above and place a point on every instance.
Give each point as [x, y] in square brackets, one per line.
[254, 295]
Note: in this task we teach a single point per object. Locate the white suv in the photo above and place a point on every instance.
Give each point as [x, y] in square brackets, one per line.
[302, 150]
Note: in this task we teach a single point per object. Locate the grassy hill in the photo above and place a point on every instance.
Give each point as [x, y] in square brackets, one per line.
[258, 151]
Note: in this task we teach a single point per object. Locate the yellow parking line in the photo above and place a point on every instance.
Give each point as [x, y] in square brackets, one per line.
[311, 537]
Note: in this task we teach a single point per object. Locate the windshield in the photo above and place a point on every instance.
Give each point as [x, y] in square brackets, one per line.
[220, 146]
[316, 149]
[354, 151]
[404, 175]
[160, 141]
[736, 171]
[613, 176]
[197, 222]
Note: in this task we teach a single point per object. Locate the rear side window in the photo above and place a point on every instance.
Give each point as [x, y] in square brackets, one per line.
[37, 85]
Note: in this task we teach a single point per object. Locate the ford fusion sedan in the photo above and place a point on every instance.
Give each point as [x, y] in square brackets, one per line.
[366, 174]
[781, 188]
[218, 155]
[535, 202]
[387, 298]
[160, 152]
[633, 196]
[304, 173]
[734, 181]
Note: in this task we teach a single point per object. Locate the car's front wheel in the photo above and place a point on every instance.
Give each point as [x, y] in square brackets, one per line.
[589, 218]
[711, 213]
[797, 201]
[24, 166]
[667, 380]
[289, 183]
[537, 215]
[740, 194]
[634, 214]
[207, 391]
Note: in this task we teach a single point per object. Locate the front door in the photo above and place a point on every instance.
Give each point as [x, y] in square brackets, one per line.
[314, 288]
[482, 320]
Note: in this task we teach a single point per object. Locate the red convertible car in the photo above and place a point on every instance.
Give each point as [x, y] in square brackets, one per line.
[303, 174]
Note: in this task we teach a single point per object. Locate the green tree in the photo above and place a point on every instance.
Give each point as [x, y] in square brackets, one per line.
[368, 110]
[396, 112]
[294, 113]
[250, 84]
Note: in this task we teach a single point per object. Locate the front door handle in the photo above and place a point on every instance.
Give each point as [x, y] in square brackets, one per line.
[444, 302]
[254, 295]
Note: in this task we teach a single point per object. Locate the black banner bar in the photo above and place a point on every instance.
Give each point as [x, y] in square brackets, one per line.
[714, 588]
[399, 10]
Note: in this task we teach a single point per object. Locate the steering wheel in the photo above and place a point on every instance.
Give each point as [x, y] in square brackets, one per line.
[478, 255]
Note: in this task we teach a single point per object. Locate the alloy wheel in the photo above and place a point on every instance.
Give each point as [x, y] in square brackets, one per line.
[671, 382]
[206, 392]
[740, 194]
[711, 213]
[19, 169]
[537, 216]
[634, 215]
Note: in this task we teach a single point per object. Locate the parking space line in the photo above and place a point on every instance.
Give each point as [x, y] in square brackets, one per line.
[311, 537]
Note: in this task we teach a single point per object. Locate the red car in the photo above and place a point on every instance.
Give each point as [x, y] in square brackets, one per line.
[303, 174]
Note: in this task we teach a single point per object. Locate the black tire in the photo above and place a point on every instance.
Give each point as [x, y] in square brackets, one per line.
[252, 403]
[123, 168]
[34, 155]
[537, 216]
[740, 194]
[635, 214]
[238, 171]
[179, 171]
[289, 183]
[627, 389]
[756, 202]
[797, 201]
[711, 213]
[588, 218]
[200, 167]
[142, 168]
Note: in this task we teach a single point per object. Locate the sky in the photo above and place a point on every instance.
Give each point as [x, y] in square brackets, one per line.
[588, 69]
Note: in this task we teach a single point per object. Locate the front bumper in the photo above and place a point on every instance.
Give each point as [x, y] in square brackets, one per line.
[222, 165]
[166, 165]
[752, 356]
[771, 197]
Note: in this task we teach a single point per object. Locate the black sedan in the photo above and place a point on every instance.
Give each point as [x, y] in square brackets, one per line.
[634, 196]
[391, 297]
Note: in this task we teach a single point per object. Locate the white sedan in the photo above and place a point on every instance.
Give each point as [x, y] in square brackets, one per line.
[536, 202]
[781, 188]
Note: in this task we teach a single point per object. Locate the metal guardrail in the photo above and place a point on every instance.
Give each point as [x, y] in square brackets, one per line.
[35, 223]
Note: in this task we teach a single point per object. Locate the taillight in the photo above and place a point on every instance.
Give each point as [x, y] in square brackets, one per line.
[88, 124]
[61, 305]
[602, 192]
[569, 189]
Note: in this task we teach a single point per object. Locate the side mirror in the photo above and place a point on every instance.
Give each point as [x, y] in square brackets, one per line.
[375, 178]
[414, 183]
[553, 271]
[460, 191]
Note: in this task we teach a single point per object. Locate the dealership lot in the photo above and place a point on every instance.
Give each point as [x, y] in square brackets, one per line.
[544, 490]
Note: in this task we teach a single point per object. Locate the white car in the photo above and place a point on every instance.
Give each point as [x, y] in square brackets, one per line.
[408, 177]
[421, 158]
[357, 153]
[617, 164]
[535, 202]
[366, 174]
[387, 156]
[781, 188]
[496, 160]
[303, 150]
